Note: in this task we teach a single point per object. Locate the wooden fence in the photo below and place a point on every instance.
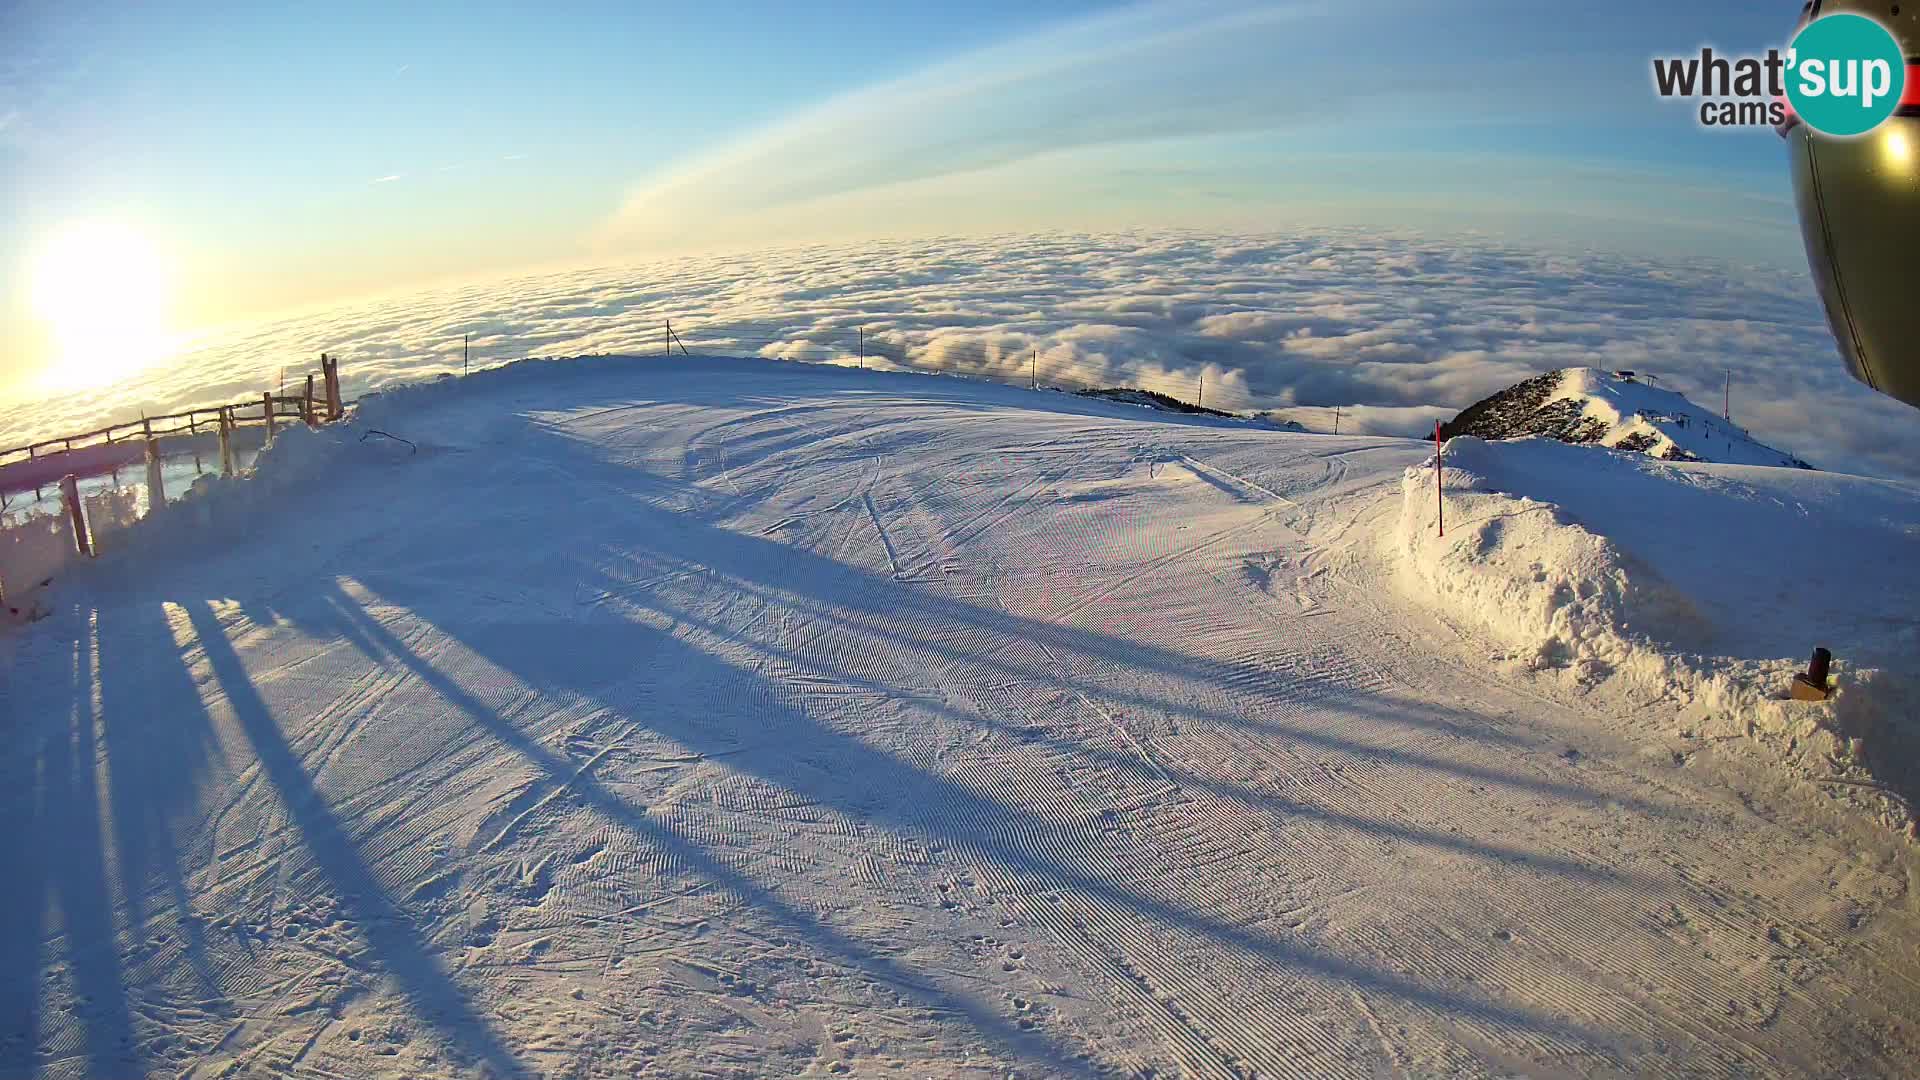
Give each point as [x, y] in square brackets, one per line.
[95, 453]
[62, 461]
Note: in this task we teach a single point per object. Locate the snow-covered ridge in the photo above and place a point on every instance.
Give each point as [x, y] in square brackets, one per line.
[1700, 584]
[1587, 406]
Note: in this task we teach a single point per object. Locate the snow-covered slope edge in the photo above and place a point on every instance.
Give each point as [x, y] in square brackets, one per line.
[216, 511]
[1705, 586]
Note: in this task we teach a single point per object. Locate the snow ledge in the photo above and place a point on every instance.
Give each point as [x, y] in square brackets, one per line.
[1598, 570]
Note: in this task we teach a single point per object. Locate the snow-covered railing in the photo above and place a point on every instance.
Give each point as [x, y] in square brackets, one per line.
[35, 545]
[116, 446]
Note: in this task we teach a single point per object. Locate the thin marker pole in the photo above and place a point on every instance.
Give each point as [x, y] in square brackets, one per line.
[1439, 484]
[863, 348]
[464, 339]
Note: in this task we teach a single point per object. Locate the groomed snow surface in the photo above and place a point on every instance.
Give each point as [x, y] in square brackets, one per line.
[727, 718]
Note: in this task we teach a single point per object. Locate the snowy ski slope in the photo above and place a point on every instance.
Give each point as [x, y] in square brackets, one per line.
[726, 718]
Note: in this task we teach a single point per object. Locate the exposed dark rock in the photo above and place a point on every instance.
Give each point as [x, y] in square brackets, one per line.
[1652, 421]
[1152, 399]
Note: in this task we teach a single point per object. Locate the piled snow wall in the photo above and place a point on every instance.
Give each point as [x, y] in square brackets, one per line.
[1686, 585]
[1521, 571]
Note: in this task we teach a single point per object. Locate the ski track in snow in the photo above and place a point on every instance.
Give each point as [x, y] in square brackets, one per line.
[864, 723]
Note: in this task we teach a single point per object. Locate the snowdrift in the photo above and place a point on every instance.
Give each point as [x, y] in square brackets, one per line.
[1703, 584]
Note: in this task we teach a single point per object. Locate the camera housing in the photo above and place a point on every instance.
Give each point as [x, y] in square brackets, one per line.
[1859, 206]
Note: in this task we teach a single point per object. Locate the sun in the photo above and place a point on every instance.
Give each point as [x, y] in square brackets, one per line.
[103, 292]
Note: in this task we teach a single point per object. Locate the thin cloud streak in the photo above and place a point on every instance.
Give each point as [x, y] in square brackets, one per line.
[1153, 72]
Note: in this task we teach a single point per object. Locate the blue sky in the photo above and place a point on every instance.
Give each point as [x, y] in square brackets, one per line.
[275, 156]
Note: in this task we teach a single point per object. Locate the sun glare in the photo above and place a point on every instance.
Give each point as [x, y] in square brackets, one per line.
[103, 292]
[1896, 149]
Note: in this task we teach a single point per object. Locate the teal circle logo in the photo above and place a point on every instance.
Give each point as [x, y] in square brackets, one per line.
[1845, 74]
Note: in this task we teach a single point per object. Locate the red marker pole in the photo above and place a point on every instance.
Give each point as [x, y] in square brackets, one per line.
[1439, 485]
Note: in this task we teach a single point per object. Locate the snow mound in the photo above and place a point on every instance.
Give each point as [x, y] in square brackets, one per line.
[1587, 406]
[1705, 585]
[216, 511]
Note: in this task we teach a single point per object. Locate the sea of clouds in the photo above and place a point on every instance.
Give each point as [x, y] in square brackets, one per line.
[1395, 329]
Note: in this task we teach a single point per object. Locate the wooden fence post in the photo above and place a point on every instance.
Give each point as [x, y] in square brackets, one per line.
[76, 516]
[266, 399]
[226, 440]
[306, 405]
[156, 485]
[330, 365]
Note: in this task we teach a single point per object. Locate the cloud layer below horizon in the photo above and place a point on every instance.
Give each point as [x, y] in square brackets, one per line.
[1395, 329]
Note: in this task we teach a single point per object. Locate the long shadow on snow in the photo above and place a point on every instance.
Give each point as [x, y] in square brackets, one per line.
[872, 605]
[869, 605]
[56, 857]
[150, 747]
[592, 660]
[576, 668]
[1113, 651]
[389, 934]
[142, 759]
[1141, 770]
[69, 794]
[159, 747]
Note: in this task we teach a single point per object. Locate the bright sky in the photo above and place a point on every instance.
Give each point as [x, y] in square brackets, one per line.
[169, 167]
